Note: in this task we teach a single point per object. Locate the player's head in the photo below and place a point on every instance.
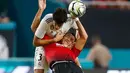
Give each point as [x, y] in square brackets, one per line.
[59, 16]
[68, 40]
[95, 39]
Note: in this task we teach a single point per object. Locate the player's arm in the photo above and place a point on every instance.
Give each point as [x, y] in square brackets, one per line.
[36, 20]
[74, 26]
[83, 36]
[39, 42]
[41, 31]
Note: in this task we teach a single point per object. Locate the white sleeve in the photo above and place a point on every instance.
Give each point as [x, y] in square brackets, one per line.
[70, 24]
[65, 28]
[74, 25]
[41, 30]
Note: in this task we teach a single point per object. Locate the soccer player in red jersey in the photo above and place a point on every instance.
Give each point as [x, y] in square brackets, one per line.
[61, 57]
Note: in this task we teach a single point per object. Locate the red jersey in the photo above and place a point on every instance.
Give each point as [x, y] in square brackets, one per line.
[56, 52]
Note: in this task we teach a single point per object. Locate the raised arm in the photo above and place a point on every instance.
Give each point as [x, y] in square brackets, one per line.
[36, 20]
[39, 42]
[83, 36]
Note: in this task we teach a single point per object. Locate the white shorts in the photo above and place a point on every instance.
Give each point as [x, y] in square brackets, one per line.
[40, 61]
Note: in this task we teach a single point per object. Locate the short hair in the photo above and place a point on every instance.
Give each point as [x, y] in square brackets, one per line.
[60, 16]
[96, 37]
[70, 34]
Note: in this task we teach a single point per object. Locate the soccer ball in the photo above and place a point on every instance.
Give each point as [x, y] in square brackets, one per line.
[77, 8]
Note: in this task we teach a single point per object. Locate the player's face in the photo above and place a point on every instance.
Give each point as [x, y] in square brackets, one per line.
[57, 26]
[68, 40]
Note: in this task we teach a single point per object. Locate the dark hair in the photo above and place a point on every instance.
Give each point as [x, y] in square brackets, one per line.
[72, 31]
[60, 16]
[95, 37]
[69, 33]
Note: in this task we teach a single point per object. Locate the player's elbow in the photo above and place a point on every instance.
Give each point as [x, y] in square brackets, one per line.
[35, 42]
[33, 28]
[85, 37]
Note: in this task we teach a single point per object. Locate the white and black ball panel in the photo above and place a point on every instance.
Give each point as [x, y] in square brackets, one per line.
[77, 8]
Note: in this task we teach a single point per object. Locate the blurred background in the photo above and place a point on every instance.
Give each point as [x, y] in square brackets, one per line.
[110, 19]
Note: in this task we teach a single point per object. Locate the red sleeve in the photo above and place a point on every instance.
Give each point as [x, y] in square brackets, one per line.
[76, 51]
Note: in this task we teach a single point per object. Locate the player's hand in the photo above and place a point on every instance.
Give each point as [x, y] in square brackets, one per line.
[42, 4]
[58, 37]
[73, 17]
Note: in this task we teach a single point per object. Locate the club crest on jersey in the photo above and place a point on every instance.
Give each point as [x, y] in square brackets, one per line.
[52, 27]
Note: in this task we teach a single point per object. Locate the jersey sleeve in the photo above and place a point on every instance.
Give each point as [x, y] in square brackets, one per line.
[43, 27]
[74, 25]
[76, 51]
[65, 28]
[69, 24]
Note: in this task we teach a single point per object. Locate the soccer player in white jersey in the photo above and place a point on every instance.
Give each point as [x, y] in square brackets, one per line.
[51, 24]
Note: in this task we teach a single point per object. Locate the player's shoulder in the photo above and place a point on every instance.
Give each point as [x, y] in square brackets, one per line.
[48, 18]
[49, 15]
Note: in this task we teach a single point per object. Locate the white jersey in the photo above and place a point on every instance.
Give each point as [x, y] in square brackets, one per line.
[45, 27]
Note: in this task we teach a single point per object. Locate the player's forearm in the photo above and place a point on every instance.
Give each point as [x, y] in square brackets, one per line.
[77, 35]
[40, 42]
[81, 30]
[45, 42]
[36, 20]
